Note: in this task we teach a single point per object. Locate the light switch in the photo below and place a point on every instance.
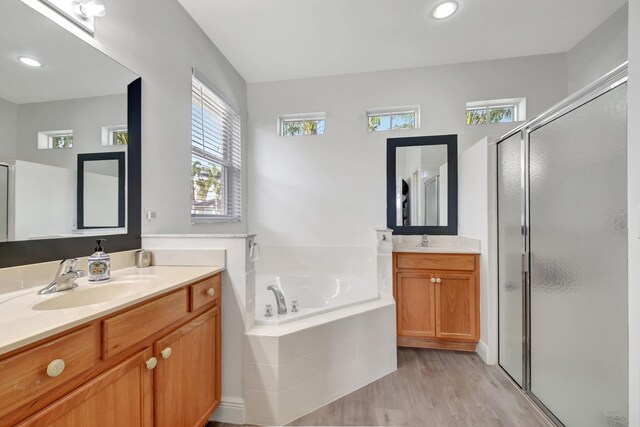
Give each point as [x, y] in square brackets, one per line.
[150, 214]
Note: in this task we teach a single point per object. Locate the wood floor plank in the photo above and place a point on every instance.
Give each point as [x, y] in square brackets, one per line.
[432, 388]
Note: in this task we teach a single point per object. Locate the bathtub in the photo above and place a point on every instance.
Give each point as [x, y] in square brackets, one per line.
[314, 294]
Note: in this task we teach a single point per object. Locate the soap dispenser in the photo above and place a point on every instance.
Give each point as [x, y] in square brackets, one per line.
[99, 264]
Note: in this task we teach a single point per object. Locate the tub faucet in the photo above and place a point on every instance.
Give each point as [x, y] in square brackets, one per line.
[280, 301]
[65, 277]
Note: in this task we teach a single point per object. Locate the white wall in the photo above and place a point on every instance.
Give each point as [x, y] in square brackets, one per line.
[85, 116]
[8, 129]
[41, 208]
[599, 52]
[473, 216]
[633, 184]
[159, 41]
[330, 190]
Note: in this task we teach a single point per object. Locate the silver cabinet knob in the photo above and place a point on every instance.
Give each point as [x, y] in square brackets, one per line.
[55, 368]
[438, 280]
[166, 353]
[211, 292]
[433, 280]
[151, 363]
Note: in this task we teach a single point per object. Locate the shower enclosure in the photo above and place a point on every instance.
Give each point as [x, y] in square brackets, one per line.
[562, 256]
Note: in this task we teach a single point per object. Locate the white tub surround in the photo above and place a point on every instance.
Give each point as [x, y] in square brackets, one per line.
[437, 244]
[384, 249]
[238, 294]
[314, 295]
[343, 337]
[22, 323]
[296, 367]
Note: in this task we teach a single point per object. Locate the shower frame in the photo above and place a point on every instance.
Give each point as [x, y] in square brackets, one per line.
[606, 83]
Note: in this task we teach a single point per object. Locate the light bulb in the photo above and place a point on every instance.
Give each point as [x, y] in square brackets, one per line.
[89, 9]
[445, 10]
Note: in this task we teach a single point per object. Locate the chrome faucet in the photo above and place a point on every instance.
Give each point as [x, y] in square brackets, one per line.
[424, 243]
[280, 301]
[65, 277]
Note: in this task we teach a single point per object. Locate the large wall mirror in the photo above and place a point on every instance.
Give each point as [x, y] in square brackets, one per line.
[62, 101]
[422, 185]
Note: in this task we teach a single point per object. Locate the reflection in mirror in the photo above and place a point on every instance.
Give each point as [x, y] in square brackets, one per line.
[75, 102]
[421, 185]
[101, 187]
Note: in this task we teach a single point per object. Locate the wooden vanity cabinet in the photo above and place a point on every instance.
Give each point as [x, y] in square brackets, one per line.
[437, 300]
[164, 370]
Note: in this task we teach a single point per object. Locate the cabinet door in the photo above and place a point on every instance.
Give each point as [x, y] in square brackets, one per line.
[415, 305]
[121, 396]
[456, 306]
[188, 372]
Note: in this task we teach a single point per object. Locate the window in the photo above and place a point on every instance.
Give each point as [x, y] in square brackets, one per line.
[302, 124]
[496, 111]
[392, 119]
[215, 157]
[55, 139]
[115, 135]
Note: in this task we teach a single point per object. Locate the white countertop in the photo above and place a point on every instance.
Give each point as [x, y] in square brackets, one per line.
[435, 249]
[21, 325]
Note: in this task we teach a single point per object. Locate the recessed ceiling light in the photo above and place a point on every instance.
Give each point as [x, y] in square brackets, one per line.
[445, 10]
[29, 61]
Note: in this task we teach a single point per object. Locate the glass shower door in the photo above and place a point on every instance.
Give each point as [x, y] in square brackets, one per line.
[578, 244]
[510, 249]
[4, 202]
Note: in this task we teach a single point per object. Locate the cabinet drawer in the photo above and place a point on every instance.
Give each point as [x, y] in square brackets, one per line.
[456, 262]
[126, 329]
[24, 375]
[200, 292]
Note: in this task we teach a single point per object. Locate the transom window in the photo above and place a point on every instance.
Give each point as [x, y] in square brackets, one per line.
[215, 157]
[301, 124]
[55, 139]
[496, 111]
[392, 119]
[115, 135]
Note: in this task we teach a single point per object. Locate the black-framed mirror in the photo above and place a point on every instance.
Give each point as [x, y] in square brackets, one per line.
[74, 103]
[101, 190]
[422, 185]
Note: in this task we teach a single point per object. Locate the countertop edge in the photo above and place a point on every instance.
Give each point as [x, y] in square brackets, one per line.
[40, 335]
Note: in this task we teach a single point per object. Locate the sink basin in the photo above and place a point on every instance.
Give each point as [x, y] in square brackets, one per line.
[87, 293]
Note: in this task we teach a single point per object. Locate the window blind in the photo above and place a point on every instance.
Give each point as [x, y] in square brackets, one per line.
[216, 192]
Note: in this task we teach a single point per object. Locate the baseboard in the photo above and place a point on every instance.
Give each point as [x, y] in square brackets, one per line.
[231, 410]
[483, 351]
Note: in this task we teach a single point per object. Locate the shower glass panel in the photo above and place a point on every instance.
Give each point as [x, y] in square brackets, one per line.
[578, 244]
[4, 202]
[510, 243]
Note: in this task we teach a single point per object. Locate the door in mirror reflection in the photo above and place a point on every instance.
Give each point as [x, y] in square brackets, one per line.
[101, 187]
[421, 185]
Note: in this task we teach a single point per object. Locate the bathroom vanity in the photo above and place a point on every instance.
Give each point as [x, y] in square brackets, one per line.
[151, 358]
[437, 298]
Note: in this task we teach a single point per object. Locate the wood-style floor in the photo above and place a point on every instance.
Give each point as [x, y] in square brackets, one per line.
[431, 388]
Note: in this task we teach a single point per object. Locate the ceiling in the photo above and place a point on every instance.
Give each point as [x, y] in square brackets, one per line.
[287, 39]
[72, 68]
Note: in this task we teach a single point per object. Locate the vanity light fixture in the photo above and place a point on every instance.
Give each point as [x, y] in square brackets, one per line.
[445, 10]
[89, 8]
[31, 62]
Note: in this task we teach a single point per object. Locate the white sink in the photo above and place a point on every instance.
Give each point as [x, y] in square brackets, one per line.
[88, 293]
